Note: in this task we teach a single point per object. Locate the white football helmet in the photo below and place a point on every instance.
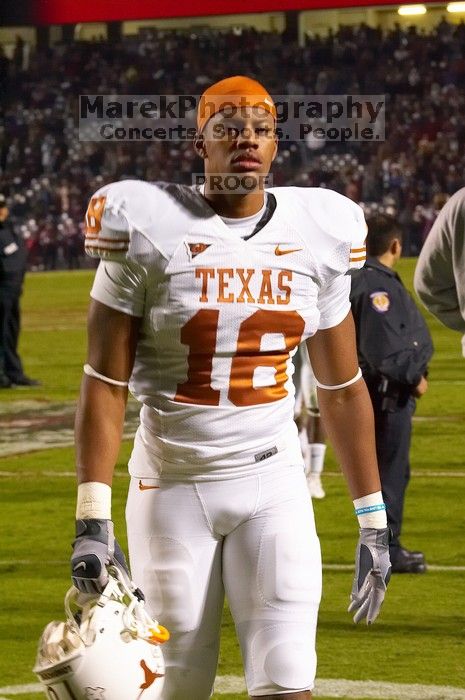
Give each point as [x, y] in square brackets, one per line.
[109, 650]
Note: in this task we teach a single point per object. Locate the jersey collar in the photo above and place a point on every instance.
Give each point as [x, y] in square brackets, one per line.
[377, 265]
[270, 207]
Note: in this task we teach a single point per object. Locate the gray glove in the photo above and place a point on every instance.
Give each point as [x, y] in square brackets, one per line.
[94, 549]
[372, 574]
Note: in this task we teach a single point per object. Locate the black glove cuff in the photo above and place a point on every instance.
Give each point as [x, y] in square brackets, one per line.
[95, 528]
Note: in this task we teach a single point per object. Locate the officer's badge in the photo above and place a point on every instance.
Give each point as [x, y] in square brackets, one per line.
[380, 302]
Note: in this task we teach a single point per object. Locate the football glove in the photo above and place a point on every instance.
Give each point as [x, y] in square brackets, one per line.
[95, 548]
[372, 574]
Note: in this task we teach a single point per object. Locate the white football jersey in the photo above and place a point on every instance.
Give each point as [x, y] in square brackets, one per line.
[222, 315]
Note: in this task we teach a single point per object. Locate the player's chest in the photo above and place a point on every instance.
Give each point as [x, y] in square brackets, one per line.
[273, 269]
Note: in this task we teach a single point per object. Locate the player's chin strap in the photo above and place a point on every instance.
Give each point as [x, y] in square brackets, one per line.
[91, 372]
[334, 387]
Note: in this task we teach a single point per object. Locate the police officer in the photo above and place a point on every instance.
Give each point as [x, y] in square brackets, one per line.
[13, 256]
[394, 347]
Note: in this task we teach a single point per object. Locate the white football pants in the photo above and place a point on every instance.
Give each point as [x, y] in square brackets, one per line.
[252, 537]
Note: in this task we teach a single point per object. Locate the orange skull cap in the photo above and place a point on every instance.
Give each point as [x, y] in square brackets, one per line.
[237, 91]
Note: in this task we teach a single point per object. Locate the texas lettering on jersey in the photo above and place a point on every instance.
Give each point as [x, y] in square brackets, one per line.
[256, 286]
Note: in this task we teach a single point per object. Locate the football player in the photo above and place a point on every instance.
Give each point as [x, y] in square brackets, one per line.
[201, 298]
[308, 419]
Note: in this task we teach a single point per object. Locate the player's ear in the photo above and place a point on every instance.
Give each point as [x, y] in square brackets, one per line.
[199, 146]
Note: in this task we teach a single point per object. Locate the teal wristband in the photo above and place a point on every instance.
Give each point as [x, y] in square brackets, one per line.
[370, 509]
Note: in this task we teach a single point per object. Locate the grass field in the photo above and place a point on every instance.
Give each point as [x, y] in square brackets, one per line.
[420, 637]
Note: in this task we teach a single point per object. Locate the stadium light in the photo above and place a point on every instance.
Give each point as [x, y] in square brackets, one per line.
[456, 7]
[408, 10]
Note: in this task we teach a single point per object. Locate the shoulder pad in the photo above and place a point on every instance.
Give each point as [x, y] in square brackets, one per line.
[155, 210]
[339, 229]
[107, 227]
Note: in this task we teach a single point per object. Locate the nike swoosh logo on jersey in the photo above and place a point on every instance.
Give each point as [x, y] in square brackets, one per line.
[278, 251]
[146, 487]
[81, 565]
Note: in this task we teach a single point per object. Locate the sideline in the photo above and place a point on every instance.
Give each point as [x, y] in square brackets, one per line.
[328, 687]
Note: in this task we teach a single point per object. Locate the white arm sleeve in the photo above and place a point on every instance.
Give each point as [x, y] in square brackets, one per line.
[334, 301]
[120, 286]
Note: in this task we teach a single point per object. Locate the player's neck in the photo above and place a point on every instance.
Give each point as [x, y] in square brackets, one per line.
[236, 206]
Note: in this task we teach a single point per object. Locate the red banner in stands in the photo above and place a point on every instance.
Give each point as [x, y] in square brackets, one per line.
[69, 11]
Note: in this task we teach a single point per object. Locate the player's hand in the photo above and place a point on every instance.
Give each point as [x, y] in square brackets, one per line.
[95, 548]
[372, 574]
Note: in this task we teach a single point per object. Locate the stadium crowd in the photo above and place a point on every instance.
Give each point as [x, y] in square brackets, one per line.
[47, 173]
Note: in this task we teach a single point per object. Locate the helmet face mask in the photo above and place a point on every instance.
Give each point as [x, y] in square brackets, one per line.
[110, 650]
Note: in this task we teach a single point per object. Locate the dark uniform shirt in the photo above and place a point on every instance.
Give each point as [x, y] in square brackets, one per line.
[13, 255]
[393, 340]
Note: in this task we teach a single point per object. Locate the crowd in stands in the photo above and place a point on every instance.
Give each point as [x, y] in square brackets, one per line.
[47, 173]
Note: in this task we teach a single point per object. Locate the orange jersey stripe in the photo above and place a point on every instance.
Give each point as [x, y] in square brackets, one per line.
[90, 237]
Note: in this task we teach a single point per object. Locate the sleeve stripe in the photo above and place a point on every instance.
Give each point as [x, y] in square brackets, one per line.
[357, 259]
[97, 245]
[90, 237]
[358, 250]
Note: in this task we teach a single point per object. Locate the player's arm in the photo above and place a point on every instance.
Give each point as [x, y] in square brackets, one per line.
[113, 326]
[112, 339]
[347, 414]
[345, 406]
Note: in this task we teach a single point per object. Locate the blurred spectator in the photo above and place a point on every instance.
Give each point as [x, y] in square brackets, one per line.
[425, 215]
[48, 239]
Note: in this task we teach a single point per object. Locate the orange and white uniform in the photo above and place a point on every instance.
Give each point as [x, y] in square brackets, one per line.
[217, 468]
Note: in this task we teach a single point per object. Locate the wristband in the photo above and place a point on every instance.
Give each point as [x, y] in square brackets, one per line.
[371, 511]
[93, 501]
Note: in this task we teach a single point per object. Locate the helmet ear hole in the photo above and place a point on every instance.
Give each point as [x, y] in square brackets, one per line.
[111, 651]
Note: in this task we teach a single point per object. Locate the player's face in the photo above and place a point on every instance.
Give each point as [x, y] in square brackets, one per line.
[243, 142]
